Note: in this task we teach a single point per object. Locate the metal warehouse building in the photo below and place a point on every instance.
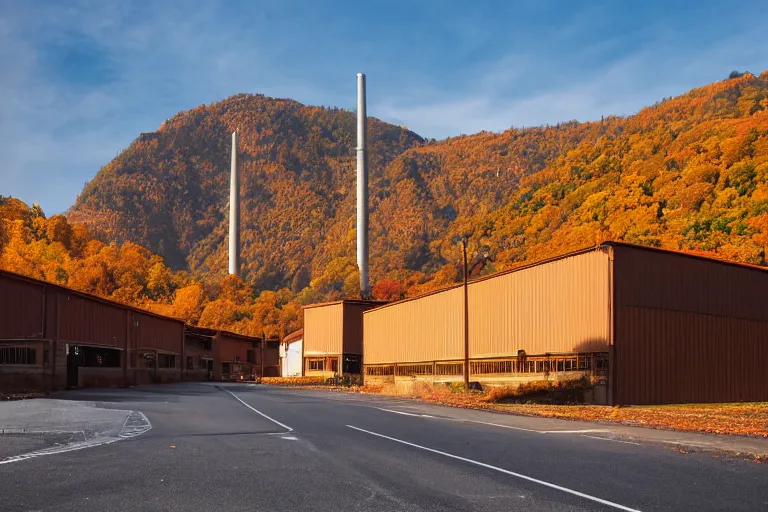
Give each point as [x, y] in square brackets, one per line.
[650, 326]
[333, 337]
[53, 337]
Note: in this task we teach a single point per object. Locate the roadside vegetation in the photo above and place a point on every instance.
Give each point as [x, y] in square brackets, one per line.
[541, 399]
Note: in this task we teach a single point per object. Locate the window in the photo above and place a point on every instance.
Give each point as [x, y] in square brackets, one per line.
[190, 363]
[316, 365]
[414, 369]
[225, 368]
[335, 365]
[18, 355]
[486, 367]
[99, 357]
[166, 361]
[250, 356]
[380, 370]
[449, 368]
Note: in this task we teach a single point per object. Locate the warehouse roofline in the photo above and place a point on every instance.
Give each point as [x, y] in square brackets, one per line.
[294, 336]
[85, 295]
[571, 254]
[347, 301]
[711, 259]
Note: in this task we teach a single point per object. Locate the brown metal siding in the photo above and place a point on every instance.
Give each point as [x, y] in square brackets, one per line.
[271, 353]
[158, 333]
[560, 306]
[232, 347]
[353, 327]
[324, 329]
[428, 328]
[89, 321]
[21, 304]
[688, 330]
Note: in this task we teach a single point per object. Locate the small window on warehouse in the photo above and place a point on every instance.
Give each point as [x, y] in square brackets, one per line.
[335, 365]
[166, 361]
[317, 365]
[18, 355]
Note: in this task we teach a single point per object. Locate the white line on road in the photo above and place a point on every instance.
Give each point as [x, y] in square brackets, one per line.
[286, 427]
[125, 433]
[501, 470]
[405, 413]
[290, 438]
[460, 420]
[610, 439]
[52, 451]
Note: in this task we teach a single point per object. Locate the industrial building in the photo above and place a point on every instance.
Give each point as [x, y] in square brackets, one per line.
[291, 350]
[647, 326]
[333, 337]
[52, 338]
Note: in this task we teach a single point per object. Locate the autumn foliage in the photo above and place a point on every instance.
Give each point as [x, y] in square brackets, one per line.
[54, 250]
[689, 173]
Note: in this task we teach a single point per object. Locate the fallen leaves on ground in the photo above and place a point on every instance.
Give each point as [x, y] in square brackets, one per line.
[749, 419]
[293, 381]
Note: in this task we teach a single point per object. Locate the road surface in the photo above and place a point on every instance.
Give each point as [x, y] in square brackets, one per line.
[248, 447]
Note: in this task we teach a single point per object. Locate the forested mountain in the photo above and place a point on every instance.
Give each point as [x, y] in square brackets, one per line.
[689, 173]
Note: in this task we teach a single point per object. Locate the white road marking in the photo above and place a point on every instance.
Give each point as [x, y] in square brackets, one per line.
[460, 420]
[125, 433]
[610, 439]
[501, 470]
[63, 449]
[286, 427]
[585, 431]
[133, 431]
[290, 438]
[405, 413]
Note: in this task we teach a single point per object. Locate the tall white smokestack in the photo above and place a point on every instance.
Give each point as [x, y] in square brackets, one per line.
[234, 212]
[362, 188]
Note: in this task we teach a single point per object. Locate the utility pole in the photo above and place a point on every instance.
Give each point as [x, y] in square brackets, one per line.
[263, 342]
[464, 241]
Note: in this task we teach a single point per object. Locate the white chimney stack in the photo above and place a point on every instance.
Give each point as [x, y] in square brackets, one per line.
[362, 188]
[234, 212]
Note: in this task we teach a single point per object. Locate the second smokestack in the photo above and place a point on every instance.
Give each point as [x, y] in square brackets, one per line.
[362, 188]
[234, 212]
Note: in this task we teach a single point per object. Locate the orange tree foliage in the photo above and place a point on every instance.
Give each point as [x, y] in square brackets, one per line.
[689, 173]
[54, 250]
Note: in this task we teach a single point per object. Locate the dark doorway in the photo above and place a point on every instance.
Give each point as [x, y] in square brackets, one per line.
[351, 364]
[209, 368]
[74, 357]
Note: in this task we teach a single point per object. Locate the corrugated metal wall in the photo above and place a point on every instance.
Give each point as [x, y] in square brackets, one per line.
[560, 306]
[353, 326]
[21, 304]
[232, 347]
[425, 329]
[323, 329]
[688, 330]
[159, 333]
[271, 353]
[89, 321]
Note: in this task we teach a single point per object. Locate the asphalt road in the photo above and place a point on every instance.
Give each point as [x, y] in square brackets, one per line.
[247, 447]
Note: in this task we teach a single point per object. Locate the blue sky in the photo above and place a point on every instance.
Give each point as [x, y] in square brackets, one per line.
[81, 79]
